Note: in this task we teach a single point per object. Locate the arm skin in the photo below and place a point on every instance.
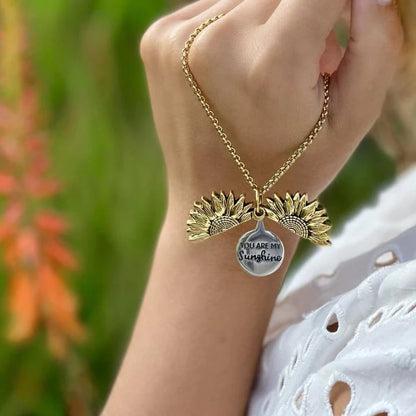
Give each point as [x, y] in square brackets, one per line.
[200, 330]
[198, 337]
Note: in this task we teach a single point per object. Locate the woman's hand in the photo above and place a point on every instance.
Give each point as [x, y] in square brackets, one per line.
[199, 335]
[260, 67]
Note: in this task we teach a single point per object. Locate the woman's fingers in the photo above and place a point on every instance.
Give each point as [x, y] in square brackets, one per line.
[164, 39]
[332, 56]
[255, 11]
[307, 24]
[368, 66]
[193, 9]
[220, 7]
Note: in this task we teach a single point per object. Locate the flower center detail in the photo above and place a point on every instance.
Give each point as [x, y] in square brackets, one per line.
[297, 225]
[222, 224]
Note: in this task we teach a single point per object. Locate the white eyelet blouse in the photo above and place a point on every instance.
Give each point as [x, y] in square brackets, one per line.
[348, 317]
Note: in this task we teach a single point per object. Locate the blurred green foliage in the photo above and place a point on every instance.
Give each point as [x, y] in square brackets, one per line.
[104, 149]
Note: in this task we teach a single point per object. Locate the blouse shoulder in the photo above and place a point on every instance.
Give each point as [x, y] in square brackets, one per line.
[348, 316]
[365, 338]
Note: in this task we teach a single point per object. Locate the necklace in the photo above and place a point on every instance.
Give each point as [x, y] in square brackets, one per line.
[259, 252]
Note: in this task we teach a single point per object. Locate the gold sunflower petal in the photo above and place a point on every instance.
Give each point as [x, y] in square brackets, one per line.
[196, 237]
[295, 213]
[199, 218]
[271, 214]
[196, 227]
[319, 228]
[217, 215]
[320, 207]
[276, 205]
[206, 206]
[199, 208]
[247, 208]
[317, 221]
[309, 210]
[279, 205]
[246, 217]
[303, 200]
[218, 205]
[237, 210]
[289, 206]
[296, 199]
[272, 206]
[230, 204]
[321, 240]
[223, 198]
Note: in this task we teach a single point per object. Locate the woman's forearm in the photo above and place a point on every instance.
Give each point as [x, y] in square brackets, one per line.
[199, 333]
[200, 329]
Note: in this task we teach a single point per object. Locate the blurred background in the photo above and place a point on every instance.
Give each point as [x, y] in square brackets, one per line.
[79, 214]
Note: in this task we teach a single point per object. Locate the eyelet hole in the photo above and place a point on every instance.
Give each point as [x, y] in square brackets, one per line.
[339, 398]
[375, 319]
[282, 382]
[397, 310]
[332, 324]
[307, 345]
[411, 308]
[299, 399]
[386, 259]
[266, 405]
[294, 361]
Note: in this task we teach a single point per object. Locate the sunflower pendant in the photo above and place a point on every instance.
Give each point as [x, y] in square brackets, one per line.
[259, 252]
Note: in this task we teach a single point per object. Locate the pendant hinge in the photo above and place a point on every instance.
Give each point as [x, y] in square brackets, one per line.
[259, 212]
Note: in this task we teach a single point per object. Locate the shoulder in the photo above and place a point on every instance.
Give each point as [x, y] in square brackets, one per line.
[346, 319]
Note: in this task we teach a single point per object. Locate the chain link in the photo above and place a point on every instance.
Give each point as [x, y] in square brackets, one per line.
[231, 149]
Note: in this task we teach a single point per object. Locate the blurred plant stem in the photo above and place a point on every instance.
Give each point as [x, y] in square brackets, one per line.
[11, 44]
[31, 235]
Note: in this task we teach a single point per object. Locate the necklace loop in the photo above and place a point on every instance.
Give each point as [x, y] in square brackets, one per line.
[259, 199]
[259, 214]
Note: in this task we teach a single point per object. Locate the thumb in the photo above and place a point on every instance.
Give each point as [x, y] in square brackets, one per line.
[361, 82]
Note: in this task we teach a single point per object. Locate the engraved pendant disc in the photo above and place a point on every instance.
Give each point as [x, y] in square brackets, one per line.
[260, 252]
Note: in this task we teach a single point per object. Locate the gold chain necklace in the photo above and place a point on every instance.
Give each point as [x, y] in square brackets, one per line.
[259, 252]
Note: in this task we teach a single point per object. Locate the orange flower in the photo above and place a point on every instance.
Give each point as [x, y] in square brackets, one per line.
[6, 232]
[27, 248]
[41, 188]
[23, 306]
[7, 184]
[60, 254]
[8, 118]
[32, 237]
[58, 310]
[51, 223]
[9, 221]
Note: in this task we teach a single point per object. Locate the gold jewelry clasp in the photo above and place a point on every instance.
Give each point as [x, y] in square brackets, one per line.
[259, 213]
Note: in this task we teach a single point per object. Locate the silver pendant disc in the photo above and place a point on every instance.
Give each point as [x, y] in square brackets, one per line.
[260, 252]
